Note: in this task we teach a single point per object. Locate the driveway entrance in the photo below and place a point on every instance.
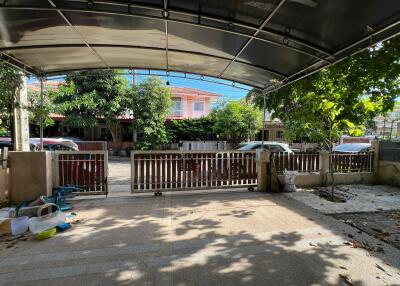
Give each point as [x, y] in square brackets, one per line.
[119, 175]
[229, 238]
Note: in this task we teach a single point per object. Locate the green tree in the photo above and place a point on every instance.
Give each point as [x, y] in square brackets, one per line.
[37, 112]
[150, 103]
[343, 98]
[89, 96]
[10, 83]
[236, 121]
[191, 129]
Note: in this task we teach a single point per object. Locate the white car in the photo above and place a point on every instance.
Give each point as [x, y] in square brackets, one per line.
[268, 145]
[352, 148]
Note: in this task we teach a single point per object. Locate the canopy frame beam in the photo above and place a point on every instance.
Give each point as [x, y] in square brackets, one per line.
[276, 73]
[269, 17]
[197, 24]
[82, 38]
[293, 78]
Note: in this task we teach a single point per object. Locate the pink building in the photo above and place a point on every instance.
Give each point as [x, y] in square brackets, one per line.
[188, 102]
[191, 103]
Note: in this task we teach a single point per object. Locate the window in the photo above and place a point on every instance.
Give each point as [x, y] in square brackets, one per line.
[276, 148]
[198, 106]
[177, 106]
[279, 134]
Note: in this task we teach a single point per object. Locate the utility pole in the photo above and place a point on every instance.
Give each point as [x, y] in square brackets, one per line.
[263, 126]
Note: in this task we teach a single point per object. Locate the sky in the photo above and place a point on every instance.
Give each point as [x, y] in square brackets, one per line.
[229, 90]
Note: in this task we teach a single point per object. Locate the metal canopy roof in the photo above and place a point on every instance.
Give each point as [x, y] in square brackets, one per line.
[261, 43]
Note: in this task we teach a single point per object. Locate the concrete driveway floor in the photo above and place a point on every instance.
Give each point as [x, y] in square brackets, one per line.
[221, 238]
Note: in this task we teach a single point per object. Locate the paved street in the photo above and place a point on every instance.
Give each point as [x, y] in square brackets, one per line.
[219, 238]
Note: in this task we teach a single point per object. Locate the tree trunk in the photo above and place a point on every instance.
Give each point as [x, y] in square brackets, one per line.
[116, 138]
[331, 163]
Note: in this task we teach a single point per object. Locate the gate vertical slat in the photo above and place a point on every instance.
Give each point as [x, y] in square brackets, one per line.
[168, 171]
[142, 173]
[209, 170]
[153, 171]
[173, 170]
[96, 173]
[204, 170]
[99, 175]
[148, 172]
[92, 172]
[247, 158]
[80, 170]
[188, 169]
[236, 169]
[178, 160]
[196, 170]
[135, 173]
[224, 176]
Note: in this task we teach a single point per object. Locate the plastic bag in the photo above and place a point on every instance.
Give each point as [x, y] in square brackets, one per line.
[289, 181]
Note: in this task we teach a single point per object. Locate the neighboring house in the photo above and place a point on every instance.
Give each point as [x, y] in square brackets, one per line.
[273, 129]
[388, 125]
[188, 103]
[191, 103]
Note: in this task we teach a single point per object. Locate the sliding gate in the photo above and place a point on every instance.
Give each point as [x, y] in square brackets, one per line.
[87, 170]
[156, 171]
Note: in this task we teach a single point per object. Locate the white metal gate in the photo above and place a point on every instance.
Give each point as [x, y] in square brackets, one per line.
[154, 171]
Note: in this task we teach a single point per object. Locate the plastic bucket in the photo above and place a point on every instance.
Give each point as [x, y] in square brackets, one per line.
[19, 225]
[42, 223]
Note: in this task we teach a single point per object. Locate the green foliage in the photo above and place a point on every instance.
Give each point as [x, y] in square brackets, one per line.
[343, 98]
[236, 121]
[36, 112]
[10, 83]
[88, 96]
[191, 129]
[151, 103]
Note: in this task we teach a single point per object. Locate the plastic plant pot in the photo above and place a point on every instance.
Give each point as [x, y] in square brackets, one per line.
[19, 225]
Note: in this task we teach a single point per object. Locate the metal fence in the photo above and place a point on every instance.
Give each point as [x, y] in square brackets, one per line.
[92, 145]
[86, 169]
[183, 170]
[389, 151]
[301, 162]
[348, 163]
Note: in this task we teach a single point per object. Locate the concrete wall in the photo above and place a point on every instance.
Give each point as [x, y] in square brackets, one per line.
[313, 180]
[30, 175]
[389, 173]
[4, 183]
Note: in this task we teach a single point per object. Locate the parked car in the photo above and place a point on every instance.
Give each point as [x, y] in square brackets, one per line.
[49, 144]
[268, 145]
[352, 148]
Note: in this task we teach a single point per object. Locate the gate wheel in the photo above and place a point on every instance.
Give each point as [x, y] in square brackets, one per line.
[250, 189]
[158, 194]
